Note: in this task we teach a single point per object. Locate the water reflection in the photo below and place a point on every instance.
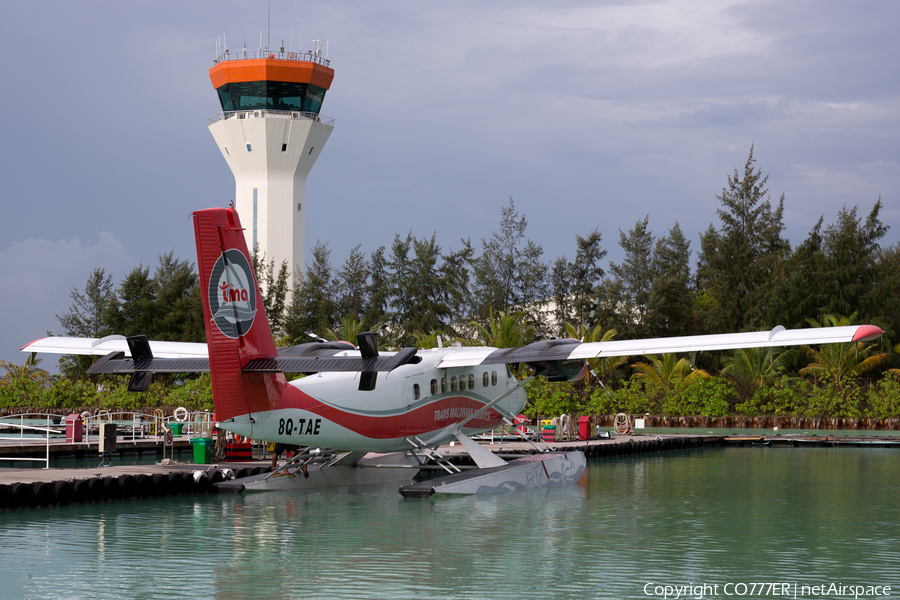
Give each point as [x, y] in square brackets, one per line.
[808, 515]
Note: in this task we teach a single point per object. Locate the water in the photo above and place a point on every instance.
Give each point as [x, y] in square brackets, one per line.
[808, 516]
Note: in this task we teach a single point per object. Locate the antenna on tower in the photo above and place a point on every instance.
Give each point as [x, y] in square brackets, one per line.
[292, 39]
[269, 28]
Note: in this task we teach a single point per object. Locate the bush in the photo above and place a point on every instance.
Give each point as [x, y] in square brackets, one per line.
[700, 396]
[787, 396]
[884, 399]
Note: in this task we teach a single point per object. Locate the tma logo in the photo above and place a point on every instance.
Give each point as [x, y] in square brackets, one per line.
[232, 294]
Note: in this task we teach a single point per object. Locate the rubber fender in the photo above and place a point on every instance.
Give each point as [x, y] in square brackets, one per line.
[215, 476]
[63, 493]
[175, 483]
[201, 481]
[240, 473]
[228, 473]
[113, 488]
[96, 490]
[22, 496]
[254, 471]
[187, 482]
[5, 496]
[81, 488]
[145, 487]
[161, 483]
[43, 493]
[127, 486]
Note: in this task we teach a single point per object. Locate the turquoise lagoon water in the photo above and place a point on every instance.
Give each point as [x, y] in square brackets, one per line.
[715, 516]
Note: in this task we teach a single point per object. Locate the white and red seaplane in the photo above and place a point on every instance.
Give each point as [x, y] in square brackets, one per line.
[381, 415]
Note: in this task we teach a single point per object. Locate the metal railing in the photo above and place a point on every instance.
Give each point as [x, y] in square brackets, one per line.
[260, 113]
[308, 56]
[7, 423]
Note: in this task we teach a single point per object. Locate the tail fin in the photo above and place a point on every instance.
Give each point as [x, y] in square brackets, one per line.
[237, 328]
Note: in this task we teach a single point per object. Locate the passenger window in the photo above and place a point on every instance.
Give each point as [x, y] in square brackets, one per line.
[416, 391]
[453, 383]
[443, 385]
[484, 379]
[462, 383]
[493, 377]
[471, 381]
[433, 387]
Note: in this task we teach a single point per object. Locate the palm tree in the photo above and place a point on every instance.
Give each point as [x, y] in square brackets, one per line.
[839, 362]
[602, 367]
[28, 370]
[754, 368]
[895, 373]
[347, 332]
[509, 330]
[665, 369]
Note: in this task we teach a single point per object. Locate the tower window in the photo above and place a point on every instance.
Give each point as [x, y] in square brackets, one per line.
[226, 151]
[249, 149]
[299, 206]
[284, 147]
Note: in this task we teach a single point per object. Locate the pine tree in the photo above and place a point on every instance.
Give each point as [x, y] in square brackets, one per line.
[736, 264]
[635, 276]
[671, 293]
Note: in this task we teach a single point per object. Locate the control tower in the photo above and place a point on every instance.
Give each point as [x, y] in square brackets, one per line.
[270, 134]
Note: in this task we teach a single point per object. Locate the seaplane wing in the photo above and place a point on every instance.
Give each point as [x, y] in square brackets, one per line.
[564, 350]
[113, 343]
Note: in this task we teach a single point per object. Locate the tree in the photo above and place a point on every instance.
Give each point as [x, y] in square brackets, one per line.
[506, 330]
[755, 368]
[351, 285]
[29, 370]
[179, 308]
[736, 264]
[509, 274]
[839, 362]
[586, 271]
[665, 369]
[635, 276]
[86, 316]
[669, 304]
[313, 305]
[273, 288]
[603, 366]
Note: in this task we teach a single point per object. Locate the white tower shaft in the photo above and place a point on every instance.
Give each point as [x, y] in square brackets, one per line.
[270, 155]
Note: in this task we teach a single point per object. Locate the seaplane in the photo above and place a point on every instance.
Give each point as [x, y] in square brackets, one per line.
[365, 415]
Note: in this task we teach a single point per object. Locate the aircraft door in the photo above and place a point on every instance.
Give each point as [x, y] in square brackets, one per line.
[414, 394]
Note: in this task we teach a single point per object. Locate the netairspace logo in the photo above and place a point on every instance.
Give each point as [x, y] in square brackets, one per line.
[759, 590]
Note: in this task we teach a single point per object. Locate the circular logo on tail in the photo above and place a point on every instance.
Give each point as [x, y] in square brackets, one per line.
[232, 294]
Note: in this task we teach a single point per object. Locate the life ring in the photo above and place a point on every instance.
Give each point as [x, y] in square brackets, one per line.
[181, 414]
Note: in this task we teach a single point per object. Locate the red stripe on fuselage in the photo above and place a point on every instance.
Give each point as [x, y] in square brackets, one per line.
[430, 417]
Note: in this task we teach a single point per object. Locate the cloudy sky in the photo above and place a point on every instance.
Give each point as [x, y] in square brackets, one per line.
[589, 114]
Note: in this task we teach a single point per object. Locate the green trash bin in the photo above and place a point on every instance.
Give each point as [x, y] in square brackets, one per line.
[176, 428]
[202, 450]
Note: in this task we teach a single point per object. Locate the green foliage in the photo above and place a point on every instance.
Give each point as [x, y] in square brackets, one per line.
[884, 398]
[702, 396]
[838, 363]
[111, 394]
[634, 397]
[551, 399]
[783, 397]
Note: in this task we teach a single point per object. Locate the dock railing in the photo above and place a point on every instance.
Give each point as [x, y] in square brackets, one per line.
[10, 423]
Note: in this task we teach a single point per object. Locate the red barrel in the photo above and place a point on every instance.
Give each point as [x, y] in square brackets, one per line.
[584, 428]
[73, 428]
[520, 424]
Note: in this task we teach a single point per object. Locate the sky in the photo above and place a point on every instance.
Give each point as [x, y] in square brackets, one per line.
[588, 114]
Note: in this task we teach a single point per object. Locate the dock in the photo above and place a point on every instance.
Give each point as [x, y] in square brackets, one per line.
[36, 487]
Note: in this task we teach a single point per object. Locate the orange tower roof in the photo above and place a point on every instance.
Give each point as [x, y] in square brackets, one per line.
[271, 69]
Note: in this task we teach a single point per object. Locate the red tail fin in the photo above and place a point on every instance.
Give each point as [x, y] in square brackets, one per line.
[237, 328]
